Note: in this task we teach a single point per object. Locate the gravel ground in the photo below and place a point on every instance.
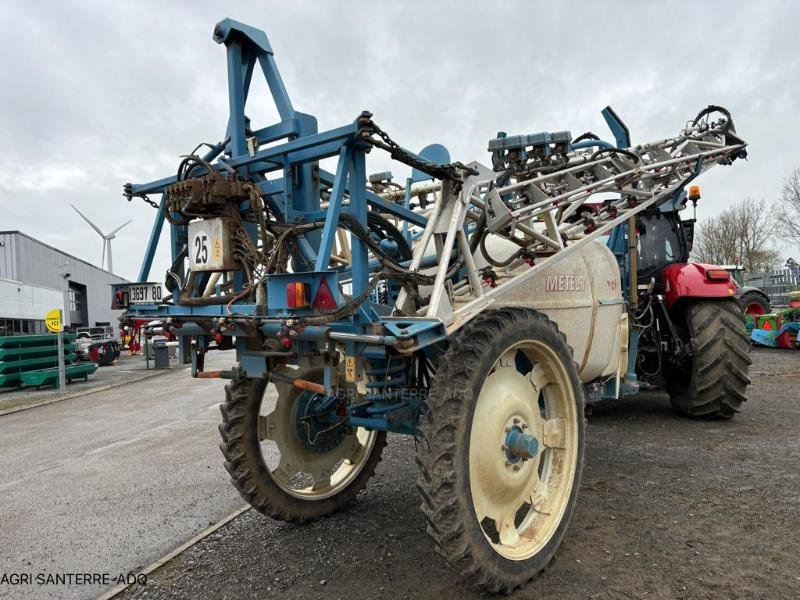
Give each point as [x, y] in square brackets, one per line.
[669, 508]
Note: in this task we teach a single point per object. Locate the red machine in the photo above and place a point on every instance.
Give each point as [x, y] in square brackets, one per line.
[687, 319]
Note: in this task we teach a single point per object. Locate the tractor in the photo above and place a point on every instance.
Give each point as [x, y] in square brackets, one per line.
[685, 316]
[754, 301]
[477, 308]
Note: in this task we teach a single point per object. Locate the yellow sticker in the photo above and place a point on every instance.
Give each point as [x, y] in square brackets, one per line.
[216, 251]
[52, 320]
[350, 368]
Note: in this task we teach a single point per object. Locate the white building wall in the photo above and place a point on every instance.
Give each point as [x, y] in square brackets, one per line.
[32, 262]
[23, 301]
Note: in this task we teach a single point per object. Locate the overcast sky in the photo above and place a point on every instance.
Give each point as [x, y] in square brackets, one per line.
[100, 93]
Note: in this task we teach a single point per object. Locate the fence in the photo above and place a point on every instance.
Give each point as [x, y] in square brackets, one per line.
[776, 284]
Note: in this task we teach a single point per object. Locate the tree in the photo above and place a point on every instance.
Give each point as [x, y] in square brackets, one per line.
[786, 211]
[741, 235]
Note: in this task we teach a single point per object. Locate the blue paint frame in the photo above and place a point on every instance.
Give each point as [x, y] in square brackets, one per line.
[283, 160]
[295, 195]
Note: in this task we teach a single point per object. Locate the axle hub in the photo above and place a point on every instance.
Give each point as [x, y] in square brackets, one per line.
[520, 445]
[318, 426]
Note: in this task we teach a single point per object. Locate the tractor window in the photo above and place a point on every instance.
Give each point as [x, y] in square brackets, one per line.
[659, 243]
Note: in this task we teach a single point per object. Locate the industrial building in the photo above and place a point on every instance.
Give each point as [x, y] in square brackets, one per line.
[36, 278]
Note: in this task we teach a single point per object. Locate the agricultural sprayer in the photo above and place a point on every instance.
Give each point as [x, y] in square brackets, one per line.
[474, 307]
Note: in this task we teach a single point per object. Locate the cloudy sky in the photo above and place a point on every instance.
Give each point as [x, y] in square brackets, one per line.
[100, 93]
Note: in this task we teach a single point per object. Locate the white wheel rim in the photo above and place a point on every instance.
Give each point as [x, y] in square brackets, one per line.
[519, 503]
[300, 472]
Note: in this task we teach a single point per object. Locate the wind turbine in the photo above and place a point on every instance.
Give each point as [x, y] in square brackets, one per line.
[107, 237]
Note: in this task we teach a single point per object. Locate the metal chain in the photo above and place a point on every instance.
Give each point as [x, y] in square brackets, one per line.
[127, 191]
[454, 171]
[152, 203]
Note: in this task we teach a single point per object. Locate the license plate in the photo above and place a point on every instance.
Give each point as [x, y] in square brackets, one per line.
[144, 293]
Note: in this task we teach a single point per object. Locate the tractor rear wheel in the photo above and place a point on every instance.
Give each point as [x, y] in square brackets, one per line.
[754, 303]
[501, 448]
[284, 463]
[713, 381]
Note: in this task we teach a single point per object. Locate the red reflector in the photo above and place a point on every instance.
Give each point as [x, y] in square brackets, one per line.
[717, 274]
[324, 298]
[297, 295]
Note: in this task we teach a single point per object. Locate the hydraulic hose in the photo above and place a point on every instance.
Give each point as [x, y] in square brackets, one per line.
[627, 153]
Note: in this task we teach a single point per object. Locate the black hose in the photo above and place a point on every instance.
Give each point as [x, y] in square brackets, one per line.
[497, 263]
[480, 231]
[627, 153]
[350, 223]
[712, 108]
[350, 307]
[381, 225]
[585, 136]
[173, 267]
[184, 169]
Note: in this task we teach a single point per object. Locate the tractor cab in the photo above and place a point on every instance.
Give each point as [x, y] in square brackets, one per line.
[661, 241]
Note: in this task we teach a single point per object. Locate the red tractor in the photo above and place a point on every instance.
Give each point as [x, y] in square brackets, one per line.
[688, 335]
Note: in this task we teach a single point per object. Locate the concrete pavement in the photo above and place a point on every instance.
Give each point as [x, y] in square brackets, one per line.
[110, 481]
[128, 368]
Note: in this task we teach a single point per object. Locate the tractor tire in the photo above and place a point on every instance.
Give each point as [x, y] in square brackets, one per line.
[259, 484]
[105, 354]
[754, 303]
[715, 382]
[498, 518]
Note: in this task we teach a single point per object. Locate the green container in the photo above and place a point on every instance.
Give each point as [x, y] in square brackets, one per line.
[37, 362]
[20, 354]
[42, 377]
[30, 351]
[22, 341]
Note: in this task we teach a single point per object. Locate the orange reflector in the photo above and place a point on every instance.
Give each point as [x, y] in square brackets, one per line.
[694, 192]
[324, 298]
[718, 275]
[297, 295]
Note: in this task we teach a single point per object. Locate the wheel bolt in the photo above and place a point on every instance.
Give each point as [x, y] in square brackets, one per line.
[524, 425]
[516, 421]
[504, 448]
[516, 467]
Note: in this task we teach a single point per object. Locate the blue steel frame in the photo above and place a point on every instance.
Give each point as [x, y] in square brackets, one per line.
[292, 149]
[295, 195]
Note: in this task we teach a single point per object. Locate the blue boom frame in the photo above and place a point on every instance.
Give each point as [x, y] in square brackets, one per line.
[295, 195]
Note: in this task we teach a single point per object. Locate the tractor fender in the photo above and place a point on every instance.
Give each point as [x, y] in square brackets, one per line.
[741, 291]
[688, 280]
[753, 300]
